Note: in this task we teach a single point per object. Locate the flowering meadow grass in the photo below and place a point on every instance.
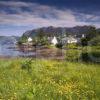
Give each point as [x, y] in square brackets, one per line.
[48, 80]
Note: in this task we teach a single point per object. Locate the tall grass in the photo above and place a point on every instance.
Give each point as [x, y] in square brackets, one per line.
[48, 80]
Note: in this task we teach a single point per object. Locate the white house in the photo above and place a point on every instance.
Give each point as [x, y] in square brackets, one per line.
[54, 41]
[29, 39]
[72, 40]
[83, 35]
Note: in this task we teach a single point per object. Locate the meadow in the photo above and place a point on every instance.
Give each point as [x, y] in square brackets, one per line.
[38, 79]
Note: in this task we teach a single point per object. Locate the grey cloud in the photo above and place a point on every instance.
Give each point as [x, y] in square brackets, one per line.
[41, 15]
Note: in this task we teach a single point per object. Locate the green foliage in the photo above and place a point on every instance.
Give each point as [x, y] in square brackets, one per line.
[49, 80]
[72, 46]
[95, 41]
[41, 37]
[23, 39]
[42, 41]
[91, 54]
[27, 65]
[85, 57]
[40, 34]
[19, 42]
[72, 55]
[91, 33]
[59, 45]
[84, 42]
[86, 54]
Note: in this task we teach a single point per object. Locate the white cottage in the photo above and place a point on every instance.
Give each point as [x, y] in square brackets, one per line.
[29, 39]
[54, 41]
[72, 40]
[83, 36]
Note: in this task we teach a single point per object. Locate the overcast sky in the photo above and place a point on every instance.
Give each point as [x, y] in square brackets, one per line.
[18, 16]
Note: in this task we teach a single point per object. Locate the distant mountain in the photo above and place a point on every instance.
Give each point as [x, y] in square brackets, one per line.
[78, 31]
[8, 39]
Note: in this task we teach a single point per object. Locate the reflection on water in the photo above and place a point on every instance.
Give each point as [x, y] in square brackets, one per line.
[11, 50]
[8, 48]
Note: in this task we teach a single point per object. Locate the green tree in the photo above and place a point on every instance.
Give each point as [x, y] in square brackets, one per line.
[84, 42]
[91, 33]
[22, 39]
[40, 34]
[95, 41]
[42, 37]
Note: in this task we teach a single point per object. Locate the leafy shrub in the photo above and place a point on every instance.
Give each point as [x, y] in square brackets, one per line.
[84, 42]
[95, 41]
[19, 43]
[72, 55]
[23, 39]
[26, 65]
[72, 46]
[59, 45]
[91, 54]
[85, 57]
[41, 42]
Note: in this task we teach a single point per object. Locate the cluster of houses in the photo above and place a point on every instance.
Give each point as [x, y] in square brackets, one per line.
[64, 40]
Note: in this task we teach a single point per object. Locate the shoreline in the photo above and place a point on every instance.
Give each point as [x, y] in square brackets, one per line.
[42, 53]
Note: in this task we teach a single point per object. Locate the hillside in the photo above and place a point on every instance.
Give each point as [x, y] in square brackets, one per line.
[78, 31]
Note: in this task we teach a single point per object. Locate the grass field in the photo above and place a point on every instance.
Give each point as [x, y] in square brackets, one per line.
[48, 80]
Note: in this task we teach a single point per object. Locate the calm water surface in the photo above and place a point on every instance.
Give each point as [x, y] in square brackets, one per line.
[10, 50]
